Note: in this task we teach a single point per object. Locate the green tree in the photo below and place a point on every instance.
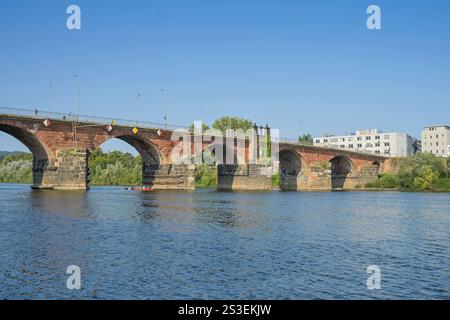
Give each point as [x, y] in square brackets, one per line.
[306, 139]
[114, 168]
[234, 123]
[16, 168]
[425, 178]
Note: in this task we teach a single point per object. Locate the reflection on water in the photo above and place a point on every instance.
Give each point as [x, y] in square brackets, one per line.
[216, 245]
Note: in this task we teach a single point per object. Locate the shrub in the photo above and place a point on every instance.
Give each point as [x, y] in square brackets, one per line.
[205, 175]
[276, 180]
[389, 181]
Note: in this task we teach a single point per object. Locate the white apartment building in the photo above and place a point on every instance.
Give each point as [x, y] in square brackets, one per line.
[390, 144]
[436, 140]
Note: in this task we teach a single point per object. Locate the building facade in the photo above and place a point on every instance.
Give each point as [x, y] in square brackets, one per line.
[372, 141]
[436, 140]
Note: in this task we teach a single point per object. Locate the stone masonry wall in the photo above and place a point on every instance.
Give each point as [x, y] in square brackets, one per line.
[244, 177]
[68, 171]
[169, 176]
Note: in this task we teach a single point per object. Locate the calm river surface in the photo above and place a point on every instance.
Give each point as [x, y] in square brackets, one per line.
[217, 245]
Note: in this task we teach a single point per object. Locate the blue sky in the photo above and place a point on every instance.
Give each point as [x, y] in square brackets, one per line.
[301, 66]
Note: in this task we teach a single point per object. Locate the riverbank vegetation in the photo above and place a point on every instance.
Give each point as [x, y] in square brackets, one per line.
[421, 172]
[115, 168]
[16, 168]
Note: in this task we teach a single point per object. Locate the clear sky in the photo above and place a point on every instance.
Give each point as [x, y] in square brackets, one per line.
[301, 66]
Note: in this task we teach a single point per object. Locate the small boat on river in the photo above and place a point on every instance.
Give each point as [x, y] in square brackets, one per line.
[143, 188]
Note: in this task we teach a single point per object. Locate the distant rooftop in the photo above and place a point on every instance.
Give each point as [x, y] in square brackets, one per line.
[438, 126]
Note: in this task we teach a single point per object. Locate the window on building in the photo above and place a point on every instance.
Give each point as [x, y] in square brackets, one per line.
[377, 137]
[359, 138]
[350, 146]
[377, 152]
[368, 138]
[387, 144]
[317, 140]
[359, 145]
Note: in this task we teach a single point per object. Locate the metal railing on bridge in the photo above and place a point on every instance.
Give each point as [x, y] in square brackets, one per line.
[42, 114]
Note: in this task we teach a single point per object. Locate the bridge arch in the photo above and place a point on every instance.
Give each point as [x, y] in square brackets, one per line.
[29, 139]
[43, 157]
[341, 168]
[150, 154]
[290, 168]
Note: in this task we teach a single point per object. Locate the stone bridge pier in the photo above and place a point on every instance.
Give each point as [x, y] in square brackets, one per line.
[68, 170]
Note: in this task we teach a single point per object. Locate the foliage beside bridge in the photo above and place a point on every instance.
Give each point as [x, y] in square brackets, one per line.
[16, 168]
[115, 169]
[421, 172]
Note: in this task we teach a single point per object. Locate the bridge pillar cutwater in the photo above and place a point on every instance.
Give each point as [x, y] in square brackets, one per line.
[169, 176]
[244, 177]
[67, 171]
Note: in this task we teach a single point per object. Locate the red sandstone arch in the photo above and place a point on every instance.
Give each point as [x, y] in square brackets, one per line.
[341, 168]
[290, 168]
[39, 149]
[149, 152]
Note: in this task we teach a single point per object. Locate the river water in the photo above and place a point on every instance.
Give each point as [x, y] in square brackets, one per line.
[222, 245]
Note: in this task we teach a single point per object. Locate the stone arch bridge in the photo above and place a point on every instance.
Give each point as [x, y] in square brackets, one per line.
[61, 146]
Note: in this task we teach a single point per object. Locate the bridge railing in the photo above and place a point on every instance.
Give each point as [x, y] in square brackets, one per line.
[42, 114]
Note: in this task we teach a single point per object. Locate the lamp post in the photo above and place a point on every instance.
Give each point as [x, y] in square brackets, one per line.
[164, 107]
[137, 106]
[78, 96]
[51, 85]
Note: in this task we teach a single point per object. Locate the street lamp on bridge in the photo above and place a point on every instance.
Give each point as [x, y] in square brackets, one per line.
[137, 106]
[51, 85]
